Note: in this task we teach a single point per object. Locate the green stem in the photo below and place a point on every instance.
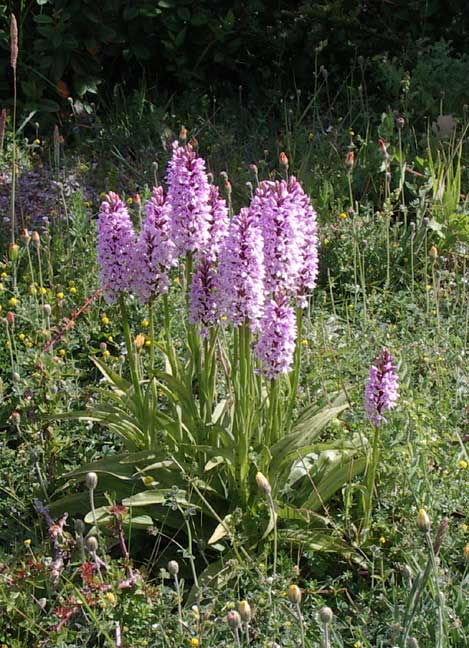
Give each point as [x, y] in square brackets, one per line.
[371, 478]
[130, 352]
[295, 376]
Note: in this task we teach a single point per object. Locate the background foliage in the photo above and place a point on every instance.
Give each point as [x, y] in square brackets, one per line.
[73, 47]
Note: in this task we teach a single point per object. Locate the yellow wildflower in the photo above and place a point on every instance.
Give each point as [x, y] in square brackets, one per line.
[463, 464]
[73, 290]
[145, 323]
[60, 295]
[61, 352]
[13, 301]
[105, 320]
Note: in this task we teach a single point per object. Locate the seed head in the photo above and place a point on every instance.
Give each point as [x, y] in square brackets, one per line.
[326, 614]
[234, 620]
[91, 480]
[245, 612]
[92, 544]
[466, 552]
[173, 567]
[263, 483]
[423, 521]
[13, 41]
[412, 642]
[294, 594]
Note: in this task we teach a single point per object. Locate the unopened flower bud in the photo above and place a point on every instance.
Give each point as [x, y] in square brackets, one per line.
[425, 221]
[294, 594]
[36, 239]
[92, 544]
[11, 318]
[13, 251]
[400, 123]
[139, 341]
[423, 521]
[433, 253]
[91, 480]
[102, 346]
[16, 418]
[234, 620]
[263, 483]
[326, 614]
[16, 377]
[350, 160]
[47, 309]
[183, 134]
[173, 568]
[282, 158]
[245, 612]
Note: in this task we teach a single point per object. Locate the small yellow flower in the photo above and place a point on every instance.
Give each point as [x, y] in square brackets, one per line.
[4, 275]
[71, 283]
[224, 318]
[32, 290]
[148, 343]
[105, 320]
[357, 644]
[464, 527]
[110, 338]
[21, 336]
[87, 203]
[102, 195]
[60, 295]
[28, 344]
[145, 323]
[61, 353]
[305, 342]
[37, 142]
[326, 241]
[111, 597]
[13, 301]
[148, 480]
[129, 200]
[27, 542]
[42, 290]
[463, 464]
[382, 540]
[106, 353]
[73, 290]
[194, 641]
[287, 624]
[351, 132]
[177, 281]
[342, 215]
[1, 287]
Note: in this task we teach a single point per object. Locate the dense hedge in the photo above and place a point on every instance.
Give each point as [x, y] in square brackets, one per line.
[71, 47]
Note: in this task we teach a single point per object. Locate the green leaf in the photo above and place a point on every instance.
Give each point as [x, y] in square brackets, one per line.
[150, 497]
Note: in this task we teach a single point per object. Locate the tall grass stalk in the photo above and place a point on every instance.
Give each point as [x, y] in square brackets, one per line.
[13, 60]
